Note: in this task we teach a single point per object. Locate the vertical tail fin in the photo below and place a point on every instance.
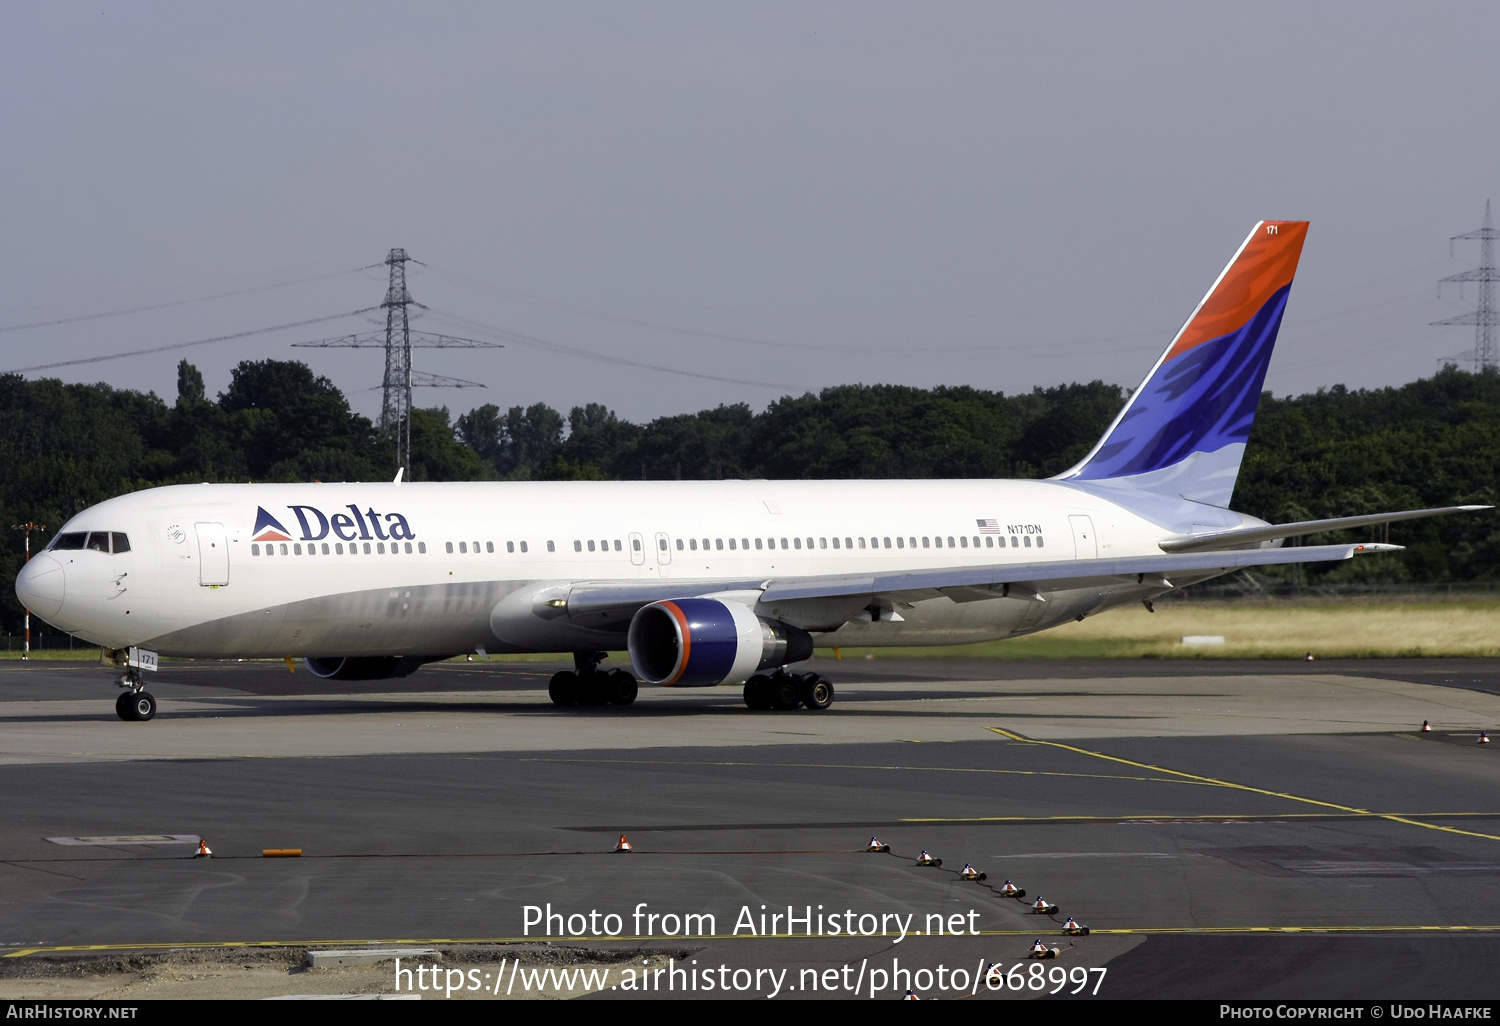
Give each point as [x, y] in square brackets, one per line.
[1184, 430]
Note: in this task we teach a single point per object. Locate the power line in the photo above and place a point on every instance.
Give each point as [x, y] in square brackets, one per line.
[176, 302]
[532, 342]
[195, 342]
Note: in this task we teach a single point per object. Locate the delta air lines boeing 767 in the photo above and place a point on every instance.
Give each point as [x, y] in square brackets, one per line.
[702, 582]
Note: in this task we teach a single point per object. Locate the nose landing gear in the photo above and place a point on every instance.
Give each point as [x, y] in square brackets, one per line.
[136, 703]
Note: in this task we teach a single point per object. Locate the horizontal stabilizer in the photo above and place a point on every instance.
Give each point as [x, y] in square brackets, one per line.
[1242, 536]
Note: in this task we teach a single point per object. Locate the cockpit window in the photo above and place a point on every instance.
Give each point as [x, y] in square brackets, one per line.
[122, 543]
[72, 540]
[98, 541]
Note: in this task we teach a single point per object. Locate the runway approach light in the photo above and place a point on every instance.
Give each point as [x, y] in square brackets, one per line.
[1040, 950]
[1072, 929]
[203, 850]
[970, 873]
[875, 845]
[911, 995]
[925, 859]
[623, 846]
[1010, 890]
[1484, 738]
[1426, 727]
[1041, 908]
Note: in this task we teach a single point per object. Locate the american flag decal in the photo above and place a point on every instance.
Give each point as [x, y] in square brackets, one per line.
[988, 526]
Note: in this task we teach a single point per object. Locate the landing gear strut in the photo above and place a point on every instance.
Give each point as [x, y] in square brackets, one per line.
[136, 703]
[782, 690]
[589, 685]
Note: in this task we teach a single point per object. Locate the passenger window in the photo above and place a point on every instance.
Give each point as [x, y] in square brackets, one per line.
[449, 545]
[989, 542]
[900, 543]
[254, 550]
[964, 541]
[822, 542]
[510, 546]
[797, 542]
[745, 543]
[591, 545]
[338, 548]
[705, 544]
[718, 543]
[950, 541]
[380, 548]
[1027, 540]
[925, 545]
[121, 542]
[849, 543]
[809, 543]
[679, 544]
[71, 540]
[283, 548]
[783, 543]
[551, 546]
[693, 544]
[731, 545]
[757, 543]
[488, 547]
[422, 547]
[635, 545]
[861, 541]
[99, 541]
[577, 545]
[1038, 541]
[297, 549]
[887, 543]
[976, 541]
[463, 546]
[835, 543]
[617, 545]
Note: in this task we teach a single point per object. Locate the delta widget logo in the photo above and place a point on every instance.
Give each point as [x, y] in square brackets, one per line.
[316, 525]
[268, 528]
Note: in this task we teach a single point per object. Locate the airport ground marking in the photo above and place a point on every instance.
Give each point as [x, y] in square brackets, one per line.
[857, 766]
[1147, 931]
[1391, 816]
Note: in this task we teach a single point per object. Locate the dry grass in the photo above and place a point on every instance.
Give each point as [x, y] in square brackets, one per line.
[1257, 630]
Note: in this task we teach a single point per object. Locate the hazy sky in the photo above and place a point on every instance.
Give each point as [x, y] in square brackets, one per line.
[1002, 195]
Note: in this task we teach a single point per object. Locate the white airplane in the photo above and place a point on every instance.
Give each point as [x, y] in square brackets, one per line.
[703, 582]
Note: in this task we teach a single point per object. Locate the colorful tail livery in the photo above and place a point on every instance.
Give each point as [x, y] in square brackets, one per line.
[1185, 428]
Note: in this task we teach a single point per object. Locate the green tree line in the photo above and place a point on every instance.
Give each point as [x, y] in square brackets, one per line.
[1334, 452]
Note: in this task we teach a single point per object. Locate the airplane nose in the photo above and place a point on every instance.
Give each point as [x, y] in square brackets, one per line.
[39, 585]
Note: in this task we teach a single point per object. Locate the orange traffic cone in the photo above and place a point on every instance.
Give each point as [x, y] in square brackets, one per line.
[623, 846]
[203, 851]
[925, 859]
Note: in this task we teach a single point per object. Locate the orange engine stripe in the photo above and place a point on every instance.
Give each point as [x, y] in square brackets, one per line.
[687, 641]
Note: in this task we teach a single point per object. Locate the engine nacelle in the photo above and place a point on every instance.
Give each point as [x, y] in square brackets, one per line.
[700, 642]
[362, 667]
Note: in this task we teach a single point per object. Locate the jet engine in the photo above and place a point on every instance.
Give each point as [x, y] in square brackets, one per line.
[363, 667]
[700, 642]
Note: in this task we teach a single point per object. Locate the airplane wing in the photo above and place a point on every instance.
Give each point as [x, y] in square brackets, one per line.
[596, 598]
[1252, 535]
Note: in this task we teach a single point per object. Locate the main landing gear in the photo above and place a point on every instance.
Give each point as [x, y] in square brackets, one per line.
[589, 685]
[135, 703]
[782, 690]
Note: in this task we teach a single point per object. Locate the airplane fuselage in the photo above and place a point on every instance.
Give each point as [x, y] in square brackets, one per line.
[424, 569]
